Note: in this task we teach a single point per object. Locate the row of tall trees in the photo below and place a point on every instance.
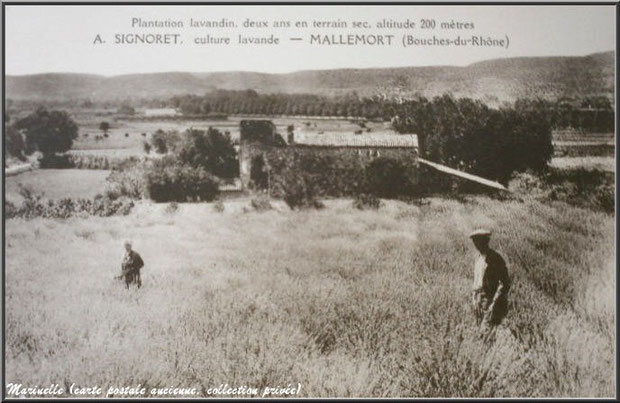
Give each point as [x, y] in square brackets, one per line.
[251, 102]
[593, 114]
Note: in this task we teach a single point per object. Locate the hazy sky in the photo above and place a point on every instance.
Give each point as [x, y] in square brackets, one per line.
[60, 38]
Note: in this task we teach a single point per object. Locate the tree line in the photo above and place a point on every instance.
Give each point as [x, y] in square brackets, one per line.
[590, 114]
[468, 135]
[460, 132]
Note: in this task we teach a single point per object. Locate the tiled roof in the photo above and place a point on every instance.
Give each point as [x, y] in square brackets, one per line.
[357, 140]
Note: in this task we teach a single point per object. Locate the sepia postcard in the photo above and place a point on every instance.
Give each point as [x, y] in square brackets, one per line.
[309, 200]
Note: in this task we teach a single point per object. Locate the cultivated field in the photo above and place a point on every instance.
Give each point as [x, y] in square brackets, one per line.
[57, 183]
[342, 301]
[132, 144]
[588, 162]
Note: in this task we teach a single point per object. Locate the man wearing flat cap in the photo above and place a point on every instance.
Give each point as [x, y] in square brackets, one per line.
[491, 281]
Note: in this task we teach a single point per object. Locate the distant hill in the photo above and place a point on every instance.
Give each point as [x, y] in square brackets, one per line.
[493, 81]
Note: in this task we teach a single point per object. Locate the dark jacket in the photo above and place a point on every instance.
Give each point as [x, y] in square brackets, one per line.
[132, 262]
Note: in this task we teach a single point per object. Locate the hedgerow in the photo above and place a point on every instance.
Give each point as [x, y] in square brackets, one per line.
[34, 205]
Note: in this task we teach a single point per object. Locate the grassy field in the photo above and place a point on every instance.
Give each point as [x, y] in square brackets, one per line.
[132, 144]
[588, 162]
[57, 183]
[341, 301]
[572, 144]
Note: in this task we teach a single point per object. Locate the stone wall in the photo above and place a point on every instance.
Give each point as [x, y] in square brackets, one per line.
[336, 170]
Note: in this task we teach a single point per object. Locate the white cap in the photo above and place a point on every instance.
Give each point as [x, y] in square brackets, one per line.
[480, 232]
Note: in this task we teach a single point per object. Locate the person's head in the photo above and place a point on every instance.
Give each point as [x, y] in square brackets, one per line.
[127, 244]
[481, 238]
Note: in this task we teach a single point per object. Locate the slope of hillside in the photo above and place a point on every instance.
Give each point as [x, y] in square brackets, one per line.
[494, 81]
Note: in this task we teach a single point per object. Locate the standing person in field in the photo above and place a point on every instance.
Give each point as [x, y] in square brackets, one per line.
[491, 281]
[132, 263]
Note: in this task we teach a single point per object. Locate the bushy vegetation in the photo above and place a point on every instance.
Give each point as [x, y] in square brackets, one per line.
[55, 161]
[297, 172]
[191, 170]
[126, 109]
[167, 182]
[35, 205]
[388, 178]
[365, 201]
[104, 127]
[211, 150]
[218, 206]
[172, 208]
[84, 161]
[128, 179]
[299, 190]
[89, 161]
[467, 135]
[162, 141]
[589, 188]
[261, 202]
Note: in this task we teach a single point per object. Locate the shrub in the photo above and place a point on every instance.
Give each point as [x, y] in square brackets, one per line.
[34, 205]
[126, 110]
[10, 209]
[261, 203]
[365, 201]
[105, 206]
[180, 183]
[172, 208]
[388, 178]
[582, 187]
[83, 161]
[592, 189]
[88, 161]
[163, 141]
[299, 191]
[104, 127]
[127, 179]
[54, 161]
[527, 182]
[218, 206]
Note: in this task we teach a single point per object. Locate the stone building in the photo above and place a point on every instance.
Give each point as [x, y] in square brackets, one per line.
[259, 137]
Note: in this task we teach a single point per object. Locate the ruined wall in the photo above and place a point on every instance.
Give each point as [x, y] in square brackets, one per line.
[336, 171]
[256, 136]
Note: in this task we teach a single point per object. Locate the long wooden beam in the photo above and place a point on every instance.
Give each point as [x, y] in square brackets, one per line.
[464, 175]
